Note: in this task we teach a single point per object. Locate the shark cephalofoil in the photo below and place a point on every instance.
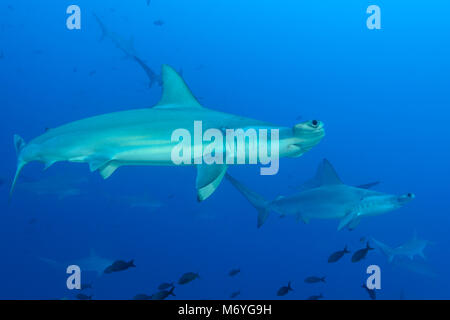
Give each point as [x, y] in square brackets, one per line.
[326, 198]
[144, 137]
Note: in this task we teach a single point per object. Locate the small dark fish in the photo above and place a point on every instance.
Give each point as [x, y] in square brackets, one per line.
[2, 181]
[75, 69]
[2, 55]
[362, 239]
[161, 295]
[299, 118]
[314, 279]
[320, 296]
[284, 290]
[32, 221]
[165, 285]
[148, 2]
[336, 256]
[142, 296]
[158, 23]
[38, 51]
[361, 253]
[371, 292]
[235, 294]
[120, 265]
[10, 7]
[234, 272]
[188, 277]
[85, 286]
[92, 73]
[82, 296]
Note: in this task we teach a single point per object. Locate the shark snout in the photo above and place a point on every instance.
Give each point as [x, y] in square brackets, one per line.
[309, 133]
[406, 198]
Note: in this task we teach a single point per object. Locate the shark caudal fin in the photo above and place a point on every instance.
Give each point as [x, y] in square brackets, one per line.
[385, 249]
[19, 144]
[261, 204]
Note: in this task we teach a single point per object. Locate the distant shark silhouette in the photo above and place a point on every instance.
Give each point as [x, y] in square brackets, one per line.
[144, 137]
[152, 76]
[411, 248]
[92, 263]
[127, 47]
[418, 266]
[61, 186]
[326, 198]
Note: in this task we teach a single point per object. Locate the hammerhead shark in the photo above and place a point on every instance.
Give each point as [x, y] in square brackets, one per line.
[326, 197]
[151, 136]
[92, 263]
[411, 248]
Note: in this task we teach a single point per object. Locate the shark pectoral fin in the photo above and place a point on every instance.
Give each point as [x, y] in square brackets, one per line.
[354, 223]
[107, 170]
[209, 177]
[347, 220]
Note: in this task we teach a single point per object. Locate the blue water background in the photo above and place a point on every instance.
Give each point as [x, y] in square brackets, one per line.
[382, 94]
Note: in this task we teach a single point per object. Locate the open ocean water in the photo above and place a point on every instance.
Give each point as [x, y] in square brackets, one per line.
[382, 95]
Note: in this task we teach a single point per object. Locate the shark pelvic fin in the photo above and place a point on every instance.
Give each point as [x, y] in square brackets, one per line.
[107, 170]
[175, 92]
[208, 179]
[97, 163]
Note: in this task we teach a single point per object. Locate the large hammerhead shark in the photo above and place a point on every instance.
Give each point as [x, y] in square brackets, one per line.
[148, 137]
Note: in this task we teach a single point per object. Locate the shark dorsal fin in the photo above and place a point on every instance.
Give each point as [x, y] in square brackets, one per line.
[175, 92]
[325, 175]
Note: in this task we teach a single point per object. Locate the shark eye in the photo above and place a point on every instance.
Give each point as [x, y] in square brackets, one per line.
[409, 195]
[315, 123]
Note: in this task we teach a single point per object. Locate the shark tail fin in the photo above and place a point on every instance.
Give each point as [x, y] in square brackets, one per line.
[385, 249]
[19, 144]
[171, 291]
[261, 204]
